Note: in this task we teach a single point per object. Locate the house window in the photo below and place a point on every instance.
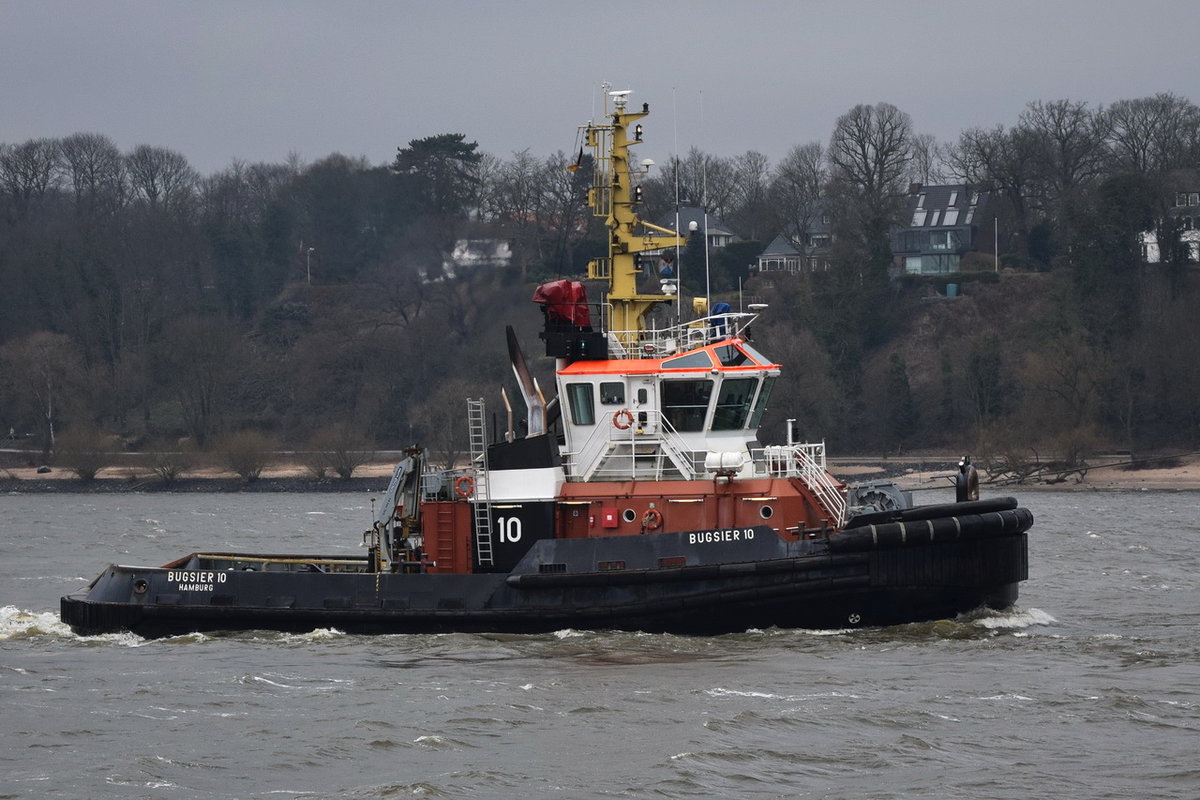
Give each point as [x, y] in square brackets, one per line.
[943, 240]
[953, 199]
[1181, 199]
[974, 198]
[951, 217]
[921, 200]
[1194, 199]
[918, 218]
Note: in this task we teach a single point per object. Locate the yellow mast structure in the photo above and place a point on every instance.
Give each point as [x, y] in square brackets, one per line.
[615, 195]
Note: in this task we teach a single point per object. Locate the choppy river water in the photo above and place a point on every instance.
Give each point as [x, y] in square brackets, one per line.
[1090, 688]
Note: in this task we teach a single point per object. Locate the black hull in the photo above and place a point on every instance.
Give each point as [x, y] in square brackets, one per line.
[879, 574]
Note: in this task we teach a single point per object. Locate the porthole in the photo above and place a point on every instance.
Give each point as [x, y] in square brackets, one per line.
[629, 515]
[140, 586]
[766, 512]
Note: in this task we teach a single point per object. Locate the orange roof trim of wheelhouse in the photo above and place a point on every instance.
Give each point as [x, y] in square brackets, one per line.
[727, 355]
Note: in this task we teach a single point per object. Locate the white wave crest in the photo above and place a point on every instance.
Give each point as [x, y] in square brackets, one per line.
[16, 623]
[1016, 619]
[569, 633]
[317, 635]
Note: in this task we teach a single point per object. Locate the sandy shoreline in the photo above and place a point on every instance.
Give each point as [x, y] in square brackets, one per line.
[917, 474]
[1182, 475]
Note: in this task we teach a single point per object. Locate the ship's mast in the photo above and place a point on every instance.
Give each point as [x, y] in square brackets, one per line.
[616, 192]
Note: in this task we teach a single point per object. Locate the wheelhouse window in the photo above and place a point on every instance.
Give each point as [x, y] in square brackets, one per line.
[730, 356]
[580, 399]
[685, 403]
[733, 403]
[612, 393]
[692, 360]
[760, 405]
[757, 356]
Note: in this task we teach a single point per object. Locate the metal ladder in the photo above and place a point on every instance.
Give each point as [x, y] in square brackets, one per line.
[482, 509]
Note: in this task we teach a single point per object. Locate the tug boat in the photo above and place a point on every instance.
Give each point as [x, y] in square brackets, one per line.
[637, 497]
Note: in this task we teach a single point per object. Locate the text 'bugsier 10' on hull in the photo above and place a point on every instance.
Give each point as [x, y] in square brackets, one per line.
[638, 497]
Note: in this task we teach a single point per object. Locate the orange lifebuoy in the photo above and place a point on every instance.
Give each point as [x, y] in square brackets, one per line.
[463, 486]
[652, 519]
[622, 419]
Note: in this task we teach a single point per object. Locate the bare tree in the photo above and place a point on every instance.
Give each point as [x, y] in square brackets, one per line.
[566, 210]
[748, 211]
[798, 193]
[517, 204]
[927, 165]
[96, 170]
[701, 180]
[48, 366]
[1154, 134]
[341, 447]
[1062, 379]
[1071, 139]
[84, 450]
[871, 148]
[441, 419]
[246, 453]
[200, 359]
[159, 175]
[28, 170]
[1003, 161]
[870, 151]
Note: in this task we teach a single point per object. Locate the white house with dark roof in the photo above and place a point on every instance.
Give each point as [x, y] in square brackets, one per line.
[782, 256]
[805, 251]
[1186, 212]
[718, 234]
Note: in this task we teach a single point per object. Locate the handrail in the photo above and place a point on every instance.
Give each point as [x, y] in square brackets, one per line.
[661, 342]
[601, 453]
[805, 461]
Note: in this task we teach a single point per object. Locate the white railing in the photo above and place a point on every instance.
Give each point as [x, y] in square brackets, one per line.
[663, 342]
[805, 461]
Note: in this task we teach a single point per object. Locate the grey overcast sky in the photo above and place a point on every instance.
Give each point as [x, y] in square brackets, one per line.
[218, 80]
